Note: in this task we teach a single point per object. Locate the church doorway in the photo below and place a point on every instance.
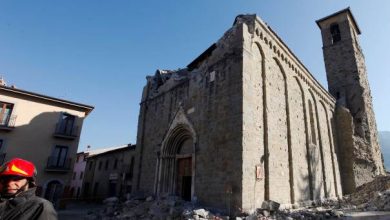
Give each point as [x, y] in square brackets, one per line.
[184, 178]
[176, 170]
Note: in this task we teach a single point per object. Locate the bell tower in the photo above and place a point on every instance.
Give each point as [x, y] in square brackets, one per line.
[348, 83]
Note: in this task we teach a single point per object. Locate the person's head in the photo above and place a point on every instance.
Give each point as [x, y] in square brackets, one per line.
[16, 176]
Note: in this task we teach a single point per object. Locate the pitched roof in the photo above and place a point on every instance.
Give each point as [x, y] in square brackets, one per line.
[86, 108]
[346, 10]
[95, 152]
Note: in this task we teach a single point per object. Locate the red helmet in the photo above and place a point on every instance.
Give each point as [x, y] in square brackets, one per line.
[18, 167]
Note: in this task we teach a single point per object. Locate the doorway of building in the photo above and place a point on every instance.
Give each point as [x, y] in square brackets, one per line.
[112, 188]
[53, 191]
[184, 178]
[86, 190]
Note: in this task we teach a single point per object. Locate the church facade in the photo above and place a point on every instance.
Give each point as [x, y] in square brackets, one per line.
[246, 122]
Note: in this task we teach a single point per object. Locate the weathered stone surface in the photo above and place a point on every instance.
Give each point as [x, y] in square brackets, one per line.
[150, 198]
[201, 213]
[110, 200]
[348, 82]
[376, 194]
[270, 205]
[246, 122]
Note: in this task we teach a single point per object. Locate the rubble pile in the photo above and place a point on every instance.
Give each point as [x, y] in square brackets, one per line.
[175, 208]
[373, 196]
[150, 208]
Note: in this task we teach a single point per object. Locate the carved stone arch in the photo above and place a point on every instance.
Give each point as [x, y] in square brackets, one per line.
[319, 142]
[259, 47]
[290, 161]
[307, 137]
[180, 127]
[271, 185]
[331, 145]
[265, 120]
[178, 147]
[282, 70]
[177, 136]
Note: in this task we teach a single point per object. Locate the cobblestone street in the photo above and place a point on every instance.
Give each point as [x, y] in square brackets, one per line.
[77, 210]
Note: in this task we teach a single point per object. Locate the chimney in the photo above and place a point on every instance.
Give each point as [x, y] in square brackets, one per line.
[2, 81]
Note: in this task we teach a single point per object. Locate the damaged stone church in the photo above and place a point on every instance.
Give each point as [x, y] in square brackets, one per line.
[247, 122]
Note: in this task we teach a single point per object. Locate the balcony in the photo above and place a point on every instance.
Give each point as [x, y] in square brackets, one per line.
[57, 164]
[66, 132]
[7, 122]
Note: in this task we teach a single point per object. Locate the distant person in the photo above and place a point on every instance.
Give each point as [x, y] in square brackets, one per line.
[17, 193]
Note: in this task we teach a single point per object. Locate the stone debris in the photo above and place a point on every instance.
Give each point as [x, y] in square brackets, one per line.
[270, 205]
[110, 200]
[151, 208]
[172, 208]
[369, 191]
[373, 196]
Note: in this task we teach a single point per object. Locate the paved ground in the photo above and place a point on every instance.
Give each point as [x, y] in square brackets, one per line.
[77, 210]
[367, 215]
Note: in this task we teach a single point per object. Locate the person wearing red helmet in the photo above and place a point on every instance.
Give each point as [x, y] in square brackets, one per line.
[17, 193]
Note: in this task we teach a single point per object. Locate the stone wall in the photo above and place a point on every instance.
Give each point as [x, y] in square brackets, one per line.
[262, 126]
[210, 96]
[287, 115]
[348, 82]
[108, 174]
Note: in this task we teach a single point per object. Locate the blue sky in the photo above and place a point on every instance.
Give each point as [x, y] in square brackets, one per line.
[99, 52]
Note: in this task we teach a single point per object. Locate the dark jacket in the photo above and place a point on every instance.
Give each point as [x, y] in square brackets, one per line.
[27, 206]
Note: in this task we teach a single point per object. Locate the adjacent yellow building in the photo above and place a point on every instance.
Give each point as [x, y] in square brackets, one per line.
[44, 130]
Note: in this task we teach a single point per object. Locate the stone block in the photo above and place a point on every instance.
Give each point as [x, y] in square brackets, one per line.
[270, 205]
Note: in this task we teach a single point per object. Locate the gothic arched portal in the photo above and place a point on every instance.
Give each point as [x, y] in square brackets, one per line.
[176, 163]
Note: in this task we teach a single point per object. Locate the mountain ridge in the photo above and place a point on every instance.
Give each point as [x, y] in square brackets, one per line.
[384, 141]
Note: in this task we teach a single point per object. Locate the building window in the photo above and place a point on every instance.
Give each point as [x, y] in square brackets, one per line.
[95, 188]
[78, 192]
[337, 95]
[81, 175]
[335, 32]
[90, 165]
[59, 156]
[5, 113]
[115, 163]
[66, 124]
[106, 165]
[131, 168]
[74, 175]
[100, 165]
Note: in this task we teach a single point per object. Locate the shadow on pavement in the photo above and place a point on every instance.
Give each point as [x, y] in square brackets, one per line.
[77, 210]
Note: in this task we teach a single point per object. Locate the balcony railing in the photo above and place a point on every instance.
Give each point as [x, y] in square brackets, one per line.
[58, 164]
[7, 122]
[66, 132]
